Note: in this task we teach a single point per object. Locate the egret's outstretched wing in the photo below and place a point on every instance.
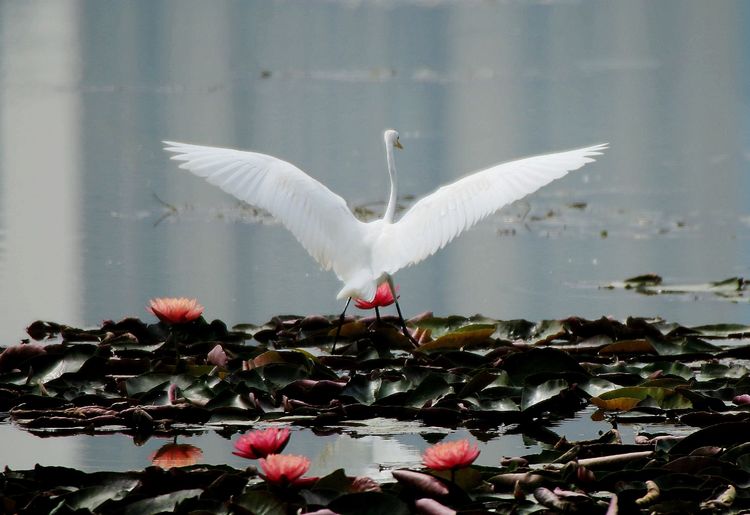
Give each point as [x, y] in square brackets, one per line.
[317, 217]
[438, 218]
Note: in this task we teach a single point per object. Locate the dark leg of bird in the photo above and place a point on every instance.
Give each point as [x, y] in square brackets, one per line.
[403, 326]
[400, 316]
[341, 322]
[377, 314]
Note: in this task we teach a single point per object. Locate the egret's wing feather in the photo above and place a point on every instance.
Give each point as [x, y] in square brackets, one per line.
[438, 218]
[317, 217]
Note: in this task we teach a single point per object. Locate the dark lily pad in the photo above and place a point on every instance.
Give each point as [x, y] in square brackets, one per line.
[260, 503]
[541, 364]
[487, 376]
[369, 503]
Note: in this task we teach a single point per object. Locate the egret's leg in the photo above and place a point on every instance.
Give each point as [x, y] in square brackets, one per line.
[377, 314]
[400, 316]
[341, 322]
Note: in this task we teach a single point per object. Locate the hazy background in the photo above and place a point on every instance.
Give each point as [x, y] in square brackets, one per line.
[88, 89]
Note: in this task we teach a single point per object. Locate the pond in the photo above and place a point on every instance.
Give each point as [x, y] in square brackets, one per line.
[95, 220]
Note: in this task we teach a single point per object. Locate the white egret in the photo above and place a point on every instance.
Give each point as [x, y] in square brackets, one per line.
[365, 254]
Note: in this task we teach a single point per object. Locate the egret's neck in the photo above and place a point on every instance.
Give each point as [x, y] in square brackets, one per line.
[391, 209]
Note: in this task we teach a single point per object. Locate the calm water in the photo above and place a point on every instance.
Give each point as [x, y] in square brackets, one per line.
[89, 88]
[372, 449]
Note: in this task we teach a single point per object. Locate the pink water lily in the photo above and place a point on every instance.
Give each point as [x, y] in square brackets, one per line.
[174, 310]
[261, 443]
[450, 455]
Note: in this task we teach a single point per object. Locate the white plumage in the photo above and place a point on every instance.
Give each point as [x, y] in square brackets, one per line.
[363, 255]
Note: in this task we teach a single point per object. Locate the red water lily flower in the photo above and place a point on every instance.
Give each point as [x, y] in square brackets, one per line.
[172, 310]
[383, 297]
[450, 455]
[261, 443]
[283, 469]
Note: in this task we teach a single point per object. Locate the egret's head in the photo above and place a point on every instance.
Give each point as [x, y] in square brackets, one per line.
[391, 138]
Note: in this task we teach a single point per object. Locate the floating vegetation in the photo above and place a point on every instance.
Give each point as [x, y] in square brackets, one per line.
[733, 289]
[482, 374]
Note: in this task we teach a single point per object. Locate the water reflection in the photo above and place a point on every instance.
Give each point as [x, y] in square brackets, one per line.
[176, 454]
[372, 450]
[369, 455]
[88, 90]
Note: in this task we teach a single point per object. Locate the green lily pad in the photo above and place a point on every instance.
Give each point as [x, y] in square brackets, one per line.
[161, 503]
[676, 347]
[466, 336]
[261, 503]
[540, 364]
[534, 395]
[93, 497]
[665, 398]
[72, 360]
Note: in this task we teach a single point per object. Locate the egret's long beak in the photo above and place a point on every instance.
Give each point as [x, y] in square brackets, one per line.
[398, 144]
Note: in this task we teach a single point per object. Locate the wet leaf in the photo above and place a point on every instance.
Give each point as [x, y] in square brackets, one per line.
[542, 331]
[628, 346]
[440, 326]
[350, 330]
[687, 345]
[362, 389]
[431, 388]
[92, 497]
[724, 434]
[534, 395]
[149, 382]
[467, 478]
[260, 503]
[672, 368]
[665, 398]
[72, 360]
[467, 336]
[616, 404]
[484, 379]
[389, 388]
[161, 503]
[199, 393]
[541, 364]
[275, 357]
